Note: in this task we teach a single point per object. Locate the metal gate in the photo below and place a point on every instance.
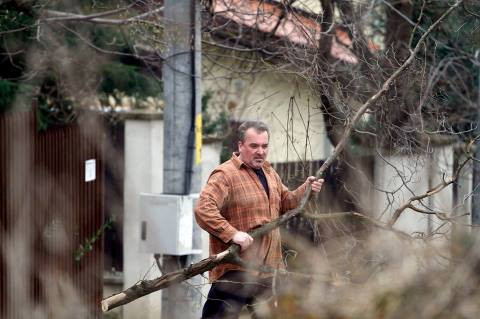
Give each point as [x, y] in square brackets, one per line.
[51, 217]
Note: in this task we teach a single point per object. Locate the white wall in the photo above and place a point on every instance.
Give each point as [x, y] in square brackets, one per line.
[442, 164]
[399, 177]
[143, 173]
[464, 187]
[266, 96]
[210, 160]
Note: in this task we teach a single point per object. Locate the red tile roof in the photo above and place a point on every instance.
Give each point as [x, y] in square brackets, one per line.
[294, 25]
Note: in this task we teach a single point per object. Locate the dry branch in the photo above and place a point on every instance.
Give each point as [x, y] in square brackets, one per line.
[437, 188]
[56, 16]
[370, 220]
[145, 287]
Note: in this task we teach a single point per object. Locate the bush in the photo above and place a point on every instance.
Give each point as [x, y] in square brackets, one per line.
[7, 94]
[128, 79]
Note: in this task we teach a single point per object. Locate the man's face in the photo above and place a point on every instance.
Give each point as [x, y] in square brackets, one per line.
[254, 149]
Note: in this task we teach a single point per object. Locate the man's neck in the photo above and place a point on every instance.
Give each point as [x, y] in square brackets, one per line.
[240, 157]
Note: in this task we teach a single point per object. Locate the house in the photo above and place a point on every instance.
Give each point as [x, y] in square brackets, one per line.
[247, 88]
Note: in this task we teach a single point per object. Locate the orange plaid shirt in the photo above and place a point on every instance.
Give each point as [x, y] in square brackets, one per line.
[235, 200]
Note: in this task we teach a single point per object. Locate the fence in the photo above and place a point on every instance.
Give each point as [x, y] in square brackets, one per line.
[332, 198]
[51, 261]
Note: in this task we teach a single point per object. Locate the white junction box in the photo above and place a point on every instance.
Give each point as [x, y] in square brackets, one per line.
[166, 224]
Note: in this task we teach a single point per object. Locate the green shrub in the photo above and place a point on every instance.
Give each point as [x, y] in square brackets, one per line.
[128, 79]
[7, 94]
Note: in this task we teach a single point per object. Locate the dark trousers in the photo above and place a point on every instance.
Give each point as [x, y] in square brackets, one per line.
[232, 291]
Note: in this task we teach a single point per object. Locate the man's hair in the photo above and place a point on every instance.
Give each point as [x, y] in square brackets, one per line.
[259, 126]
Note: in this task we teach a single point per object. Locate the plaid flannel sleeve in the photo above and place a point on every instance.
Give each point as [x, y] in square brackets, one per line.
[209, 207]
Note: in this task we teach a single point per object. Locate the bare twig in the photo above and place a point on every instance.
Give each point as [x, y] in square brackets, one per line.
[372, 221]
[55, 16]
[437, 188]
[62, 16]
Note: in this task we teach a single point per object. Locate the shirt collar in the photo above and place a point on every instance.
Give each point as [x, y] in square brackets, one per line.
[239, 163]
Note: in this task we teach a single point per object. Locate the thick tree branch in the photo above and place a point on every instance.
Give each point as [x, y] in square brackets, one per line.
[145, 287]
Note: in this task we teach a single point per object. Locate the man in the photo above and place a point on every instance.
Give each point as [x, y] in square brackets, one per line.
[242, 194]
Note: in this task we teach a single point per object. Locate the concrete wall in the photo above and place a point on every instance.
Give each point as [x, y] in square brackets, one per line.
[312, 6]
[266, 96]
[143, 173]
[399, 177]
[463, 205]
[210, 160]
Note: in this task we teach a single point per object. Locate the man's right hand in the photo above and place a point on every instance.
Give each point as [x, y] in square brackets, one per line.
[242, 239]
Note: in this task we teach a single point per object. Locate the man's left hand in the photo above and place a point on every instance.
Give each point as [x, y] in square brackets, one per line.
[316, 184]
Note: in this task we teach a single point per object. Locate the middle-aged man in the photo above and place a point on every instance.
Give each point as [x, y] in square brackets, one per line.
[241, 194]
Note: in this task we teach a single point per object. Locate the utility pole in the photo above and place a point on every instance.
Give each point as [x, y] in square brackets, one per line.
[182, 133]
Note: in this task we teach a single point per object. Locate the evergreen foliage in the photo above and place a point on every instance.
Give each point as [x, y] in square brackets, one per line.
[7, 93]
[22, 39]
[451, 50]
[213, 124]
[128, 79]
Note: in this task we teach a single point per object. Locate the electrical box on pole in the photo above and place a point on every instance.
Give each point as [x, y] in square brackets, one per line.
[167, 224]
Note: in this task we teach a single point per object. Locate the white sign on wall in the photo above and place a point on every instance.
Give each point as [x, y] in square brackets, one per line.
[90, 170]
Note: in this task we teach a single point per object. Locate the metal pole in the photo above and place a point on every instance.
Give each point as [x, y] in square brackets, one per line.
[181, 80]
[476, 163]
